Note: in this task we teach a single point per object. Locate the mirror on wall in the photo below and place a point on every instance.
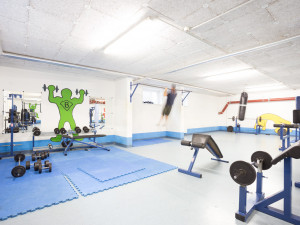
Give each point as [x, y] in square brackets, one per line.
[23, 109]
[97, 113]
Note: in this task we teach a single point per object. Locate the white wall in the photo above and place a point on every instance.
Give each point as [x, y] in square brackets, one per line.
[147, 116]
[123, 109]
[283, 109]
[202, 111]
[16, 80]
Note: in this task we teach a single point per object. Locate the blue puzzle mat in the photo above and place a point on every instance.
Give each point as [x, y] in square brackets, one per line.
[153, 141]
[97, 170]
[32, 191]
[89, 171]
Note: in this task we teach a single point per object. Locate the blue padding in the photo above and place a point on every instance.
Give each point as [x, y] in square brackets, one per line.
[32, 191]
[159, 134]
[202, 130]
[95, 171]
[138, 143]
[298, 102]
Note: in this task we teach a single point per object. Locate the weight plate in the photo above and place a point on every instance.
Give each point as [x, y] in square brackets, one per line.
[27, 165]
[34, 129]
[36, 166]
[18, 171]
[20, 157]
[229, 128]
[233, 118]
[242, 173]
[56, 131]
[265, 157]
[46, 162]
[284, 132]
[33, 157]
[50, 167]
[63, 131]
[37, 133]
[63, 144]
[40, 168]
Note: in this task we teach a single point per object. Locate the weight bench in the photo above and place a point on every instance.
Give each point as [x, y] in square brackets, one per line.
[70, 139]
[201, 141]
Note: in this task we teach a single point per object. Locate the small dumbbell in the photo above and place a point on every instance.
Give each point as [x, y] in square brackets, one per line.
[35, 165]
[85, 129]
[77, 130]
[18, 171]
[47, 166]
[42, 155]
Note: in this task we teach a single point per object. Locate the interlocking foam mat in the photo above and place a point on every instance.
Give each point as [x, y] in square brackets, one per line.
[152, 141]
[89, 171]
[32, 191]
[99, 170]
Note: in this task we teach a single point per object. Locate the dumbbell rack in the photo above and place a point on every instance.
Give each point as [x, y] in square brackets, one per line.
[262, 204]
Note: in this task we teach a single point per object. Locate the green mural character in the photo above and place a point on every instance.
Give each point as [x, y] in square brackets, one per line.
[32, 109]
[65, 106]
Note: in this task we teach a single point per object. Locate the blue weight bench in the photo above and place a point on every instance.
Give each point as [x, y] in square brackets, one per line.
[201, 141]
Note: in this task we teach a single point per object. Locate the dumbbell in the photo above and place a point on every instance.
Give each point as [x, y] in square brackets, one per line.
[36, 131]
[47, 166]
[65, 144]
[42, 155]
[56, 131]
[77, 130]
[85, 129]
[63, 130]
[35, 164]
[18, 171]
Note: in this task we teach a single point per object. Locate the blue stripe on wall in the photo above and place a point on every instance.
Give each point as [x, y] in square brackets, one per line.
[202, 130]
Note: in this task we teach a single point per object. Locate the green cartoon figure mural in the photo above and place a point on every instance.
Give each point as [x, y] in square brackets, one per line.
[32, 109]
[65, 106]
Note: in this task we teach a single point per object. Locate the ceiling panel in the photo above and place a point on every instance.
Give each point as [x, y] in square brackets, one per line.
[190, 12]
[14, 10]
[252, 26]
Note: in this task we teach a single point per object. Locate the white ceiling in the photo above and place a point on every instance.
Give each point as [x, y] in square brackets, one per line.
[196, 39]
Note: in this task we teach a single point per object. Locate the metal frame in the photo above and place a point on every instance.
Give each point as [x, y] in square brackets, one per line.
[132, 92]
[12, 125]
[189, 170]
[188, 92]
[262, 204]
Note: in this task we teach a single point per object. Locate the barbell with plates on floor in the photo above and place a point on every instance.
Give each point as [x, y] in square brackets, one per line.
[18, 171]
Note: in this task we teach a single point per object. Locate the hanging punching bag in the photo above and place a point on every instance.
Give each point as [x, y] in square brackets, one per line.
[243, 104]
[296, 113]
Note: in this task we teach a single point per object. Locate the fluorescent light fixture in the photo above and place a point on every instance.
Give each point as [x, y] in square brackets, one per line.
[265, 87]
[235, 75]
[139, 39]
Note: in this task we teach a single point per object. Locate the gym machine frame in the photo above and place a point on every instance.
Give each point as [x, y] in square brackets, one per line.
[196, 146]
[67, 138]
[262, 204]
[12, 125]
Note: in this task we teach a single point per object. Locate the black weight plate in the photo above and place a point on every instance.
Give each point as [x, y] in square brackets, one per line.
[33, 157]
[46, 162]
[78, 130]
[18, 171]
[56, 131]
[63, 144]
[27, 165]
[40, 168]
[34, 129]
[20, 157]
[242, 173]
[63, 131]
[37, 133]
[260, 155]
[229, 128]
[36, 166]
[50, 167]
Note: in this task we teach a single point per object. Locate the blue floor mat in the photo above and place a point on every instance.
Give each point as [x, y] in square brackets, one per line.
[32, 191]
[153, 141]
[96, 170]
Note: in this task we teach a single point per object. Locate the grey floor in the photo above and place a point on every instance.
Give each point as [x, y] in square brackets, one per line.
[175, 198]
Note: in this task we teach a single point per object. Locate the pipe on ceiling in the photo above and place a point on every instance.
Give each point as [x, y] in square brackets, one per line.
[258, 100]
